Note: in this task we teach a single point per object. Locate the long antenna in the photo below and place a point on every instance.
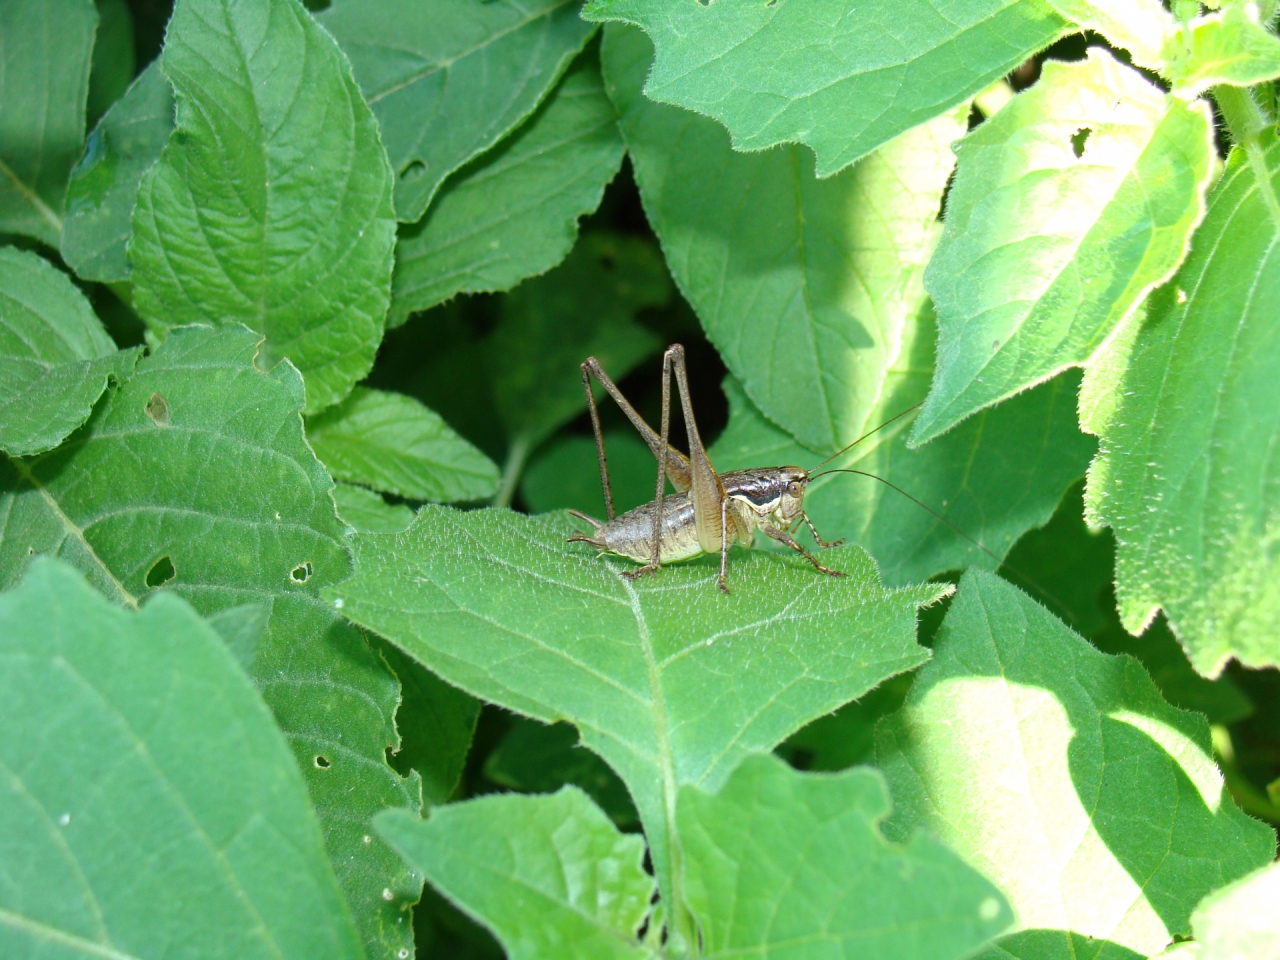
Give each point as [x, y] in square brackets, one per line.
[898, 416]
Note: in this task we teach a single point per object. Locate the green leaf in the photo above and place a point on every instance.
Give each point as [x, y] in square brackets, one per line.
[392, 443]
[436, 723]
[666, 679]
[242, 629]
[1060, 773]
[368, 512]
[535, 757]
[1067, 209]
[150, 806]
[780, 858]
[114, 61]
[549, 875]
[1143, 27]
[1224, 47]
[567, 474]
[448, 80]
[513, 213]
[1185, 477]
[104, 184]
[992, 478]
[804, 285]
[194, 474]
[240, 220]
[827, 73]
[1240, 920]
[44, 80]
[55, 357]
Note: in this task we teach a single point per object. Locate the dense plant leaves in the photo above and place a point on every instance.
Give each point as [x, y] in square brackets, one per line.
[259, 527]
[667, 680]
[823, 272]
[55, 358]
[991, 479]
[44, 80]
[536, 757]
[566, 474]
[239, 219]
[104, 184]
[1185, 477]
[436, 723]
[141, 767]
[549, 875]
[830, 74]
[448, 80]
[513, 213]
[1228, 46]
[846, 737]
[1068, 207]
[1059, 773]
[368, 512]
[755, 843]
[1240, 920]
[392, 443]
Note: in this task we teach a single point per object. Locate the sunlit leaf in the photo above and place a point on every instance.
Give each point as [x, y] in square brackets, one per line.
[1228, 46]
[804, 285]
[832, 74]
[141, 767]
[1140, 26]
[513, 213]
[55, 358]
[1060, 774]
[1185, 477]
[1240, 921]
[240, 221]
[1068, 206]
[448, 80]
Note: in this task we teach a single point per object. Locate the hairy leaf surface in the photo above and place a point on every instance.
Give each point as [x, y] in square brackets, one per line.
[448, 80]
[513, 213]
[55, 358]
[666, 679]
[834, 74]
[1068, 207]
[104, 184]
[1186, 477]
[549, 875]
[141, 766]
[44, 80]
[1061, 774]
[240, 221]
[239, 512]
[805, 285]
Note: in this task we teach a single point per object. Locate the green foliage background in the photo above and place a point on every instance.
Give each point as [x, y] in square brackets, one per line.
[295, 659]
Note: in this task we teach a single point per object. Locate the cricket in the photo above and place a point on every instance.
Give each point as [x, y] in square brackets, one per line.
[709, 511]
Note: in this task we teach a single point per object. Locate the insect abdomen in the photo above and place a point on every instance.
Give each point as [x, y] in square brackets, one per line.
[631, 534]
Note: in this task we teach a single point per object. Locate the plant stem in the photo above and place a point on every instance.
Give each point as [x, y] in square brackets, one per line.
[1246, 120]
[517, 454]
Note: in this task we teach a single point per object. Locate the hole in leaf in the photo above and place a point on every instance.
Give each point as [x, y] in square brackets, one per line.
[161, 572]
[302, 572]
[1078, 140]
[322, 762]
[157, 409]
[413, 170]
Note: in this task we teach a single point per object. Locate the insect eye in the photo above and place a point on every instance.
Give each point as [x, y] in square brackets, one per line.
[794, 488]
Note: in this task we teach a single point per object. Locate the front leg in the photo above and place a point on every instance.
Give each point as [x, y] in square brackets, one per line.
[783, 537]
[817, 539]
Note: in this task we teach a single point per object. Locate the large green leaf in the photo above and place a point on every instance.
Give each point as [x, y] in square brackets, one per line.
[448, 80]
[513, 213]
[805, 853]
[804, 285]
[1061, 774]
[832, 74]
[665, 678]
[271, 204]
[392, 443]
[114, 57]
[149, 806]
[550, 875]
[992, 478]
[1068, 207]
[1185, 477]
[44, 80]
[1229, 46]
[1240, 922]
[104, 184]
[55, 358]
[194, 474]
